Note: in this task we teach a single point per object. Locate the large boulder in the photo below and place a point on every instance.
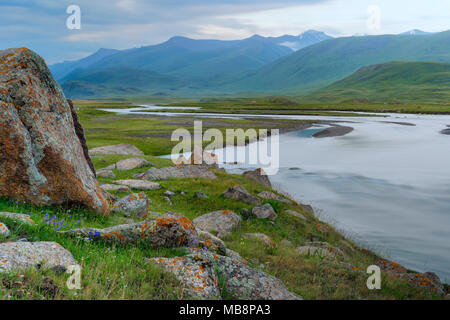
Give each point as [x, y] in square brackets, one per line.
[122, 148]
[41, 156]
[222, 222]
[25, 255]
[200, 271]
[167, 231]
[239, 193]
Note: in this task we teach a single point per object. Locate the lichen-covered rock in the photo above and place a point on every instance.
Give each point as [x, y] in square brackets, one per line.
[272, 196]
[167, 231]
[134, 204]
[239, 193]
[139, 184]
[427, 281]
[26, 255]
[260, 236]
[115, 187]
[210, 241]
[129, 164]
[199, 272]
[295, 214]
[122, 148]
[222, 222]
[17, 217]
[258, 175]
[196, 275]
[264, 212]
[4, 231]
[177, 172]
[42, 159]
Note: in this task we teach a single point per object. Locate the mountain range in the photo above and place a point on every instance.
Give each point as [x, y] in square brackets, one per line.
[293, 65]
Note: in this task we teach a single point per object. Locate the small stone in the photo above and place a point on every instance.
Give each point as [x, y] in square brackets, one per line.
[239, 193]
[133, 204]
[222, 222]
[139, 184]
[177, 172]
[105, 173]
[123, 148]
[115, 187]
[169, 193]
[272, 196]
[296, 214]
[167, 199]
[258, 175]
[200, 195]
[264, 212]
[132, 163]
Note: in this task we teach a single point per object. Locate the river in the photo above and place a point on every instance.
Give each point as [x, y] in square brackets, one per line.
[385, 184]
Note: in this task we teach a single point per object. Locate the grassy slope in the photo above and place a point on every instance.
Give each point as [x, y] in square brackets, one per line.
[117, 272]
[394, 81]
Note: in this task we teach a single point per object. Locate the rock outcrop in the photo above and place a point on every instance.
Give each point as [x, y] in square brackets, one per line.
[199, 273]
[25, 255]
[167, 231]
[139, 184]
[42, 160]
[17, 217]
[272, 196]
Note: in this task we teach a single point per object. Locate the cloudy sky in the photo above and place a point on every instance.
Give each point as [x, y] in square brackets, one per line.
[41, 24]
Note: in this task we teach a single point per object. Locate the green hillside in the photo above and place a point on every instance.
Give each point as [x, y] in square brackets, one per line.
[332, 60]
[390, 82]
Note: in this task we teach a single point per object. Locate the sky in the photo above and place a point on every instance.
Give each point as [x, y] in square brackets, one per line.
[120, 24]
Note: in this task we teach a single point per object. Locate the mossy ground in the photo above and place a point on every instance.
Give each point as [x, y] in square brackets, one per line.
[123, 272]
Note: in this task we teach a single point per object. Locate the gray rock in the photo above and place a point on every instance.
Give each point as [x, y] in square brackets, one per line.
[167, 199]
[259, 176]
[115, 187]
[169, 193]
[202, 157]
[272, 196]
[177, 172]
[134, 204]
[264, 212]
[17, 217]
[211, 241]
[199, 273]
[200, 195]
[321, 249]
[167, 231]
[45, 163]
[4, 231]
[222, 222]
[105, 173]
[130, 164]
[123, 148]
[296, 214]
[239, 193]
[25, 255]
[139, 184]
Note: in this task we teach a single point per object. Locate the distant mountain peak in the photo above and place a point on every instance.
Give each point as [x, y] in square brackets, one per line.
[415, 32]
